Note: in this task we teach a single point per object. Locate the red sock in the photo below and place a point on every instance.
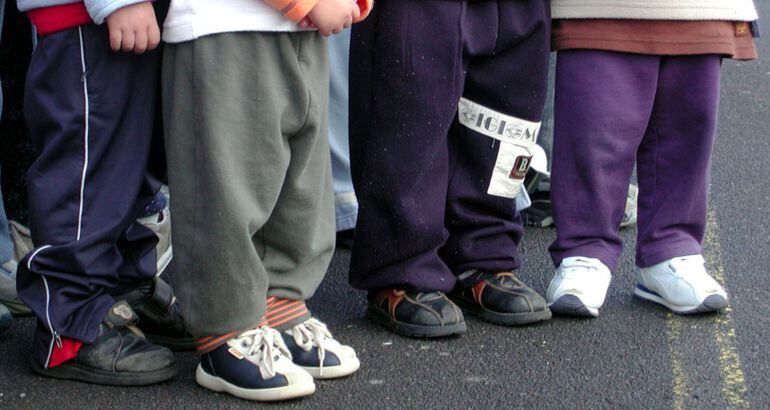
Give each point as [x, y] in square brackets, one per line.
[68, 351]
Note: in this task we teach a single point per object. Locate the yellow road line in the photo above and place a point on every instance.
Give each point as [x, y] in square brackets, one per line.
[679, 376]
[733, 379]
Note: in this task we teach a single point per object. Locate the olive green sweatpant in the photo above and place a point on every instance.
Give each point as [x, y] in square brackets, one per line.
[245, 118]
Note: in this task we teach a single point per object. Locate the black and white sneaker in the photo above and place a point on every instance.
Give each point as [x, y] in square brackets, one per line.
[539, 214]
[255, 365]
[314, 349]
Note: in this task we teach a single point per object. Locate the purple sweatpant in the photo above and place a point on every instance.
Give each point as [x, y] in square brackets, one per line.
[613, 110]
[421, 177]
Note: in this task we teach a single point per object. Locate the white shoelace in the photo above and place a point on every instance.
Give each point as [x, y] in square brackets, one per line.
[265, 342]
[312, 333]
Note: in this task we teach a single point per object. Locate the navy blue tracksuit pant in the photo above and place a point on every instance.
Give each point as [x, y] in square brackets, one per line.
[440, 93]
[90, 111]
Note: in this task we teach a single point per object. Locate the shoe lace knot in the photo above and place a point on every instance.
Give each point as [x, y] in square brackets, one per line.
[265, 345]
[312, 333]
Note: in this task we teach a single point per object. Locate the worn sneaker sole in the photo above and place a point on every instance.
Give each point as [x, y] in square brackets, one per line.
[347, 368]
[175, 344]
[418, 331]
[712, 303]
[74, 371]
[217, 384]
[571, 305]
[507, 319]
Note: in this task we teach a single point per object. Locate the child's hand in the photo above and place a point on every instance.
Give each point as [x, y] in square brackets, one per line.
[134, 28]
[332, 16]
[306, 23]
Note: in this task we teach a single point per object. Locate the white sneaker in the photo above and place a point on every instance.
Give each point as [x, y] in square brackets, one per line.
[160, 225]
[682, 285]
[314, 349]
[579, 287]
[629, 214]
[255, 365]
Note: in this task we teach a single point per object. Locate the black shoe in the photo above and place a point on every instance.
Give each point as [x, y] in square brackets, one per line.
[120, 355]
[538, 214]
[415, 314]
[345, 239]
[159, 316]
[500, 298]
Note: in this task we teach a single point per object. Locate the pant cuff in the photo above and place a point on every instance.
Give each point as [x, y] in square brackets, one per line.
[647, 259]
[606, 257]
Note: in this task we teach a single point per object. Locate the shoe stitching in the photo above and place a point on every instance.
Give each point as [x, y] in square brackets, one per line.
[117, 354]
[454, 306]
[513, 292]
[430, 309]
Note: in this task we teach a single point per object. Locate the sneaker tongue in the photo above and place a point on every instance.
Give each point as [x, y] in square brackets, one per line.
[578, 263]
[692, 260]
[120, 315]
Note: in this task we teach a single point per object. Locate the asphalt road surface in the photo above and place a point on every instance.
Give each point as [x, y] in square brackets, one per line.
[634, 355]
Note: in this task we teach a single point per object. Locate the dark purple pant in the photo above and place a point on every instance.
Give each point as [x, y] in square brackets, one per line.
[421, 178]
[90, 112]
[612, 110]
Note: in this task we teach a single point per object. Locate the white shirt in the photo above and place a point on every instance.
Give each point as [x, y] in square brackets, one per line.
[191, 19]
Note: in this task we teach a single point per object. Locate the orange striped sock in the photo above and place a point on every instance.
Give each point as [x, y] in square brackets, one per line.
[209, 343]
[285, 313]
[280, 314]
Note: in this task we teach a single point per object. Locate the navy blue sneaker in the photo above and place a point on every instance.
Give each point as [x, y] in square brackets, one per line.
[314, 349]
[5, 318]
[255, 365]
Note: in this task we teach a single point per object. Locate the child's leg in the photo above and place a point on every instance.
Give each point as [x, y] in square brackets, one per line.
[297, 241]
[232, 131]
[490, 151]
[346, 205]
[602, 108]
[90, 113]
[508, 87]
[405, 82]
[674, 159]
